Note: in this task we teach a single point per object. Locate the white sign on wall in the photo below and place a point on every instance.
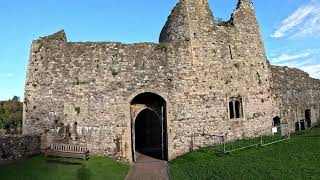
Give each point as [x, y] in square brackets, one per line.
[274, 130]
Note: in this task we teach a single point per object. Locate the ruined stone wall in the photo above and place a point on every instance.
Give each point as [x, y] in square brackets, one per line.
[295, 91]
[87, 88]
[84, 89]
[13, 147]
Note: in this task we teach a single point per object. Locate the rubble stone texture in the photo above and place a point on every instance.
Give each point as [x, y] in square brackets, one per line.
[14, 147]
[81, 92]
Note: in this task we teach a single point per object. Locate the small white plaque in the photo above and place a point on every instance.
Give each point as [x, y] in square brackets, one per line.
[274, 130]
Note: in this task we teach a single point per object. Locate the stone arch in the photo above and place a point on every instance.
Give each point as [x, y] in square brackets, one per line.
[142, 106]
[138, 111]
[149, 91]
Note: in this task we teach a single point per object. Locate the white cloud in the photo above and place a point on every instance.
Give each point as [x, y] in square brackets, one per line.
[6, 75]
[303, 22]
[313, 70]
[287, 57]
[307, 60]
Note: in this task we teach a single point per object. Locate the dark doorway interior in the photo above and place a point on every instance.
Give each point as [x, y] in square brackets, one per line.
[148, 129]
[308, 117]
[302, 125]
[297, 126]
[276, 121]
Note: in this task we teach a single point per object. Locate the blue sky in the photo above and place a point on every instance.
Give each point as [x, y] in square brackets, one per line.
[290, 28]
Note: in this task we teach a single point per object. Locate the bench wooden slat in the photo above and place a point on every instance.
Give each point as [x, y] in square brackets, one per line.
[65, 150]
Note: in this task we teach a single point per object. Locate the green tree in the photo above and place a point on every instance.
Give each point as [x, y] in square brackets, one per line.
[11, 114]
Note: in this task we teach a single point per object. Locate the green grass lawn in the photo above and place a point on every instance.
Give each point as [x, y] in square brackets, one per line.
[38, 168]
[297, 158]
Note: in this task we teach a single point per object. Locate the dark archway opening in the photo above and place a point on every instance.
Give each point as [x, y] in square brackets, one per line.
[297, 126]
[308, 117]
[149, 127]
[302, 125]
[276, 121]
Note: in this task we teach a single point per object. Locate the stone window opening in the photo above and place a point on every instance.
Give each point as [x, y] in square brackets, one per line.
[231, 110]
[235, 108]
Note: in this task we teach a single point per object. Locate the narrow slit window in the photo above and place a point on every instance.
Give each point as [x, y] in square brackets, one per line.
[230, 52]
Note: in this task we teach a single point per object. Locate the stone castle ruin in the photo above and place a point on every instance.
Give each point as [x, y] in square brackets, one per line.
[202, 77]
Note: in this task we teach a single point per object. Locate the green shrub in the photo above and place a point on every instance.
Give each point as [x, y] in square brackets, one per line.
[77, 109]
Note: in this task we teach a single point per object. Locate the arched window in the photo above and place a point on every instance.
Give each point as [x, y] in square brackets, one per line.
[235, 108]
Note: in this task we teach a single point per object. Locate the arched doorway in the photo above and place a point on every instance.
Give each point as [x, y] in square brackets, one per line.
[276, 121]
[149, 126]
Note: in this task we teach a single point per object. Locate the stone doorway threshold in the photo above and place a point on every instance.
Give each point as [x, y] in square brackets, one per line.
[148, 168]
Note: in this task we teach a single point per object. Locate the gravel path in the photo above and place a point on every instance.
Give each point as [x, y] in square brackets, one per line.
[148, 168]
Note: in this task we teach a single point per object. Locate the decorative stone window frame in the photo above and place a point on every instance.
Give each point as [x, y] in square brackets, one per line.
[235, 108]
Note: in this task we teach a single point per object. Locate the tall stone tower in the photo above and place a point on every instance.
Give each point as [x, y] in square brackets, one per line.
[193, 21]
[226, 62]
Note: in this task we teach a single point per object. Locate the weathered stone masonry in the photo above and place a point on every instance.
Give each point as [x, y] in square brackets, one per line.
[295, 93]
[82, 92]
[14, 147]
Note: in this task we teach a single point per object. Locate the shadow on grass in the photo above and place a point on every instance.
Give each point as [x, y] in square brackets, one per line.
[311, 136]
[300, 133]
[64, 162]
[212, 151]
[83, 173]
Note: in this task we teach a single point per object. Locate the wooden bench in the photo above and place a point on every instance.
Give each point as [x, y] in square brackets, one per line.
[66, 150]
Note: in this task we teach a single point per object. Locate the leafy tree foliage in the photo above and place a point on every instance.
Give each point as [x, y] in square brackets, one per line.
[11, 114]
